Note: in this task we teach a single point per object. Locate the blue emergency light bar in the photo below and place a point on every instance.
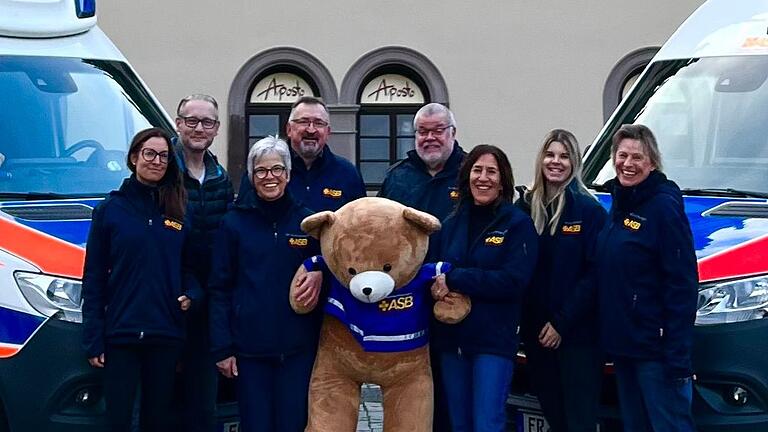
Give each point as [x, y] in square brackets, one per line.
[85, 8]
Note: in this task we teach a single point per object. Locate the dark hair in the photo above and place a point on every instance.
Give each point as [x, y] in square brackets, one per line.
[309, 100]
[173, 196]
[643, 134]
[505, 172]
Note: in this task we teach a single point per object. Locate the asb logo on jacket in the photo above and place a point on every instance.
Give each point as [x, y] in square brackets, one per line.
[571, 228]
[495, 238]
[332, 193]
[633, 222]
[296, 241]
[172, 224]
[453, 194]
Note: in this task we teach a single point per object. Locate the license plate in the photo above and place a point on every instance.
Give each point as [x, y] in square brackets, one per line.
[230, 427]
[526, 421]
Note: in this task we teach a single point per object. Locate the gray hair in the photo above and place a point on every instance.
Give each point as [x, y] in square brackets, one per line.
[199, 97]
[643, 134]
[434, 108]
[309, 100]
[268, 145]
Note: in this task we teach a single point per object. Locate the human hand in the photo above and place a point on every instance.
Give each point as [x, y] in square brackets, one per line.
[184, 302]
[308, 288]
[97, 361]
[439, 288]
[228, 367]
[549, 337]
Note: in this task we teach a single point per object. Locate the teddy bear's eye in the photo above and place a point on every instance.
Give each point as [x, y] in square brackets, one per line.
[387, 267]
[352, 271]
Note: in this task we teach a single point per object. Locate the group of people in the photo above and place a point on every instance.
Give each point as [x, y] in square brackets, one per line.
[179, 273]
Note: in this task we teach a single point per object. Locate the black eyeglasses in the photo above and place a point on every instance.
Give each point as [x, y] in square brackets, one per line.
[276, 171]
[192, 122]
[435, 131]
[149, 155]
[305, 122]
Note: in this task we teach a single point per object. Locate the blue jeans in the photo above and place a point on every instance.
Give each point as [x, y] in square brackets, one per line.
[650, 399]
[476, 388]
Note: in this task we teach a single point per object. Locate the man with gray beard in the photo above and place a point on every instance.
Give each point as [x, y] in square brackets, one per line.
[320, 180]
[426, 179]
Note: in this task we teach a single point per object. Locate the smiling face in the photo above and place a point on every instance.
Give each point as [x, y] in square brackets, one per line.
[485, 180]
[434, 139]
[556, 166]
[270, 187]
[631, 162]
[198, 138]
[150, 170]
[308, 140]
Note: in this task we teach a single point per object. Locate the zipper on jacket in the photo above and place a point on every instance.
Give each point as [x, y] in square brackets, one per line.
[458, 351]
[634, 300]
[150, 221]
[141, 335]
[274, 227]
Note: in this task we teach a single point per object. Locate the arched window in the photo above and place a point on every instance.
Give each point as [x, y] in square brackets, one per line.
[261, 95]
[388, 101]
[269, 104]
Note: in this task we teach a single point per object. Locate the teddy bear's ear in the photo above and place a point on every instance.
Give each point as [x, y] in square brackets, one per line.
[314, 224]
[424, 221]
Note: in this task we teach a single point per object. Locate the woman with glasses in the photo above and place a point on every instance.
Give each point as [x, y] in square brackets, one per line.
[135, 290]
[255, 335]
[492, 245]
[559, 325]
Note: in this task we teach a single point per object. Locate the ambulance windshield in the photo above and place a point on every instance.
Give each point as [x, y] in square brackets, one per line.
[66, 124]
[708, 116]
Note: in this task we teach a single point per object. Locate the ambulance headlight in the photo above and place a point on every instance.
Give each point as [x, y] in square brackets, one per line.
[52, 296]
[733, 301]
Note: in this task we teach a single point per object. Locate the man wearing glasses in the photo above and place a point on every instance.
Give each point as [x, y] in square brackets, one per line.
[320, 179]
[426, 179]
[209, 192]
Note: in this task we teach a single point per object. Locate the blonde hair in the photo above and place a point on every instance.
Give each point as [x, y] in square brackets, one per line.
[537, 195]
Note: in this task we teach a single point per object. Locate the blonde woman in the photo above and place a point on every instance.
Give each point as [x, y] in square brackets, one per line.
[559, 327]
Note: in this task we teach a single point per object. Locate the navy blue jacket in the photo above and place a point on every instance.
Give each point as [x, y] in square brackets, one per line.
[494, 270]
[257, 251]
[133, 272]
[206, 205]
[563, 289]
[409, 183]
[647, 275]
[331, 182]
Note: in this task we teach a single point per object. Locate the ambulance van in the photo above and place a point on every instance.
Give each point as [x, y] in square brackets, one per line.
[705, 97]
[69, 105]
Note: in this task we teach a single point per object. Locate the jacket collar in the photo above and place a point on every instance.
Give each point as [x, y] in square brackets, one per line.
[297, 163]
[212, 167]
[628, 198]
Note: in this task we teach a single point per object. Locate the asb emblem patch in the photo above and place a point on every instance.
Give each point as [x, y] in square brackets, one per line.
[172, 224]
[298, 242]
[453, 194]
[571, 228]
[631, 224]
[332, 193]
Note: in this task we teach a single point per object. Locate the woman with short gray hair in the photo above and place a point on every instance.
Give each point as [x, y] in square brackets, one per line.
[255, 335]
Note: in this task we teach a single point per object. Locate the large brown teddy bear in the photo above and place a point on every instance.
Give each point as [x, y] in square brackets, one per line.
[376, 314]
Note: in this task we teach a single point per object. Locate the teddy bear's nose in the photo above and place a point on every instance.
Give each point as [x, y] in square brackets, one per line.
[367, 291]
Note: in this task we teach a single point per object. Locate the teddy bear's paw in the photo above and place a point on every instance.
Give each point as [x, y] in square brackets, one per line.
[453, 308]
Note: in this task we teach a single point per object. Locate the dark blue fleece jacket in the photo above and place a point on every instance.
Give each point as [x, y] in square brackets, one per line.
[133, 272]
[647, 275]
[409, 183]
[493, 268]
[258, 249]
[331, 182]
[564, 288]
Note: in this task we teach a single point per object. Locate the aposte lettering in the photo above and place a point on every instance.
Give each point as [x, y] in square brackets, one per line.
[391, 91]
[279, 90]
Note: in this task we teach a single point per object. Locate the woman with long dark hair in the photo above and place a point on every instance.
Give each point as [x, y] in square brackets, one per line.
[134, 288]
[492, 245]
[559, 325]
